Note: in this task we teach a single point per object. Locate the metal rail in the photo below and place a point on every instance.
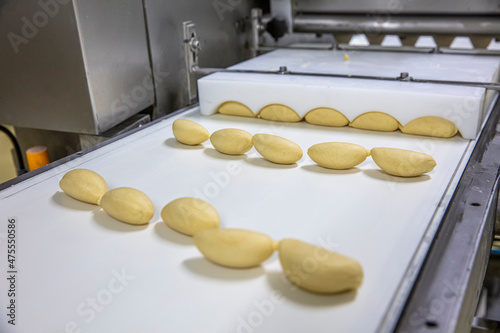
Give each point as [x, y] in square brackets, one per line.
[446, 293]
[403, 77]
[399, 25]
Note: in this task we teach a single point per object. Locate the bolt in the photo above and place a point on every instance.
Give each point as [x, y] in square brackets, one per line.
[283, 70]
[195, 44]
[404, 76]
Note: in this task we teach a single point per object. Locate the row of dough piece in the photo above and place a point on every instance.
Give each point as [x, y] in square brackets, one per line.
[235, 248]
[331, 155]
[374, 120]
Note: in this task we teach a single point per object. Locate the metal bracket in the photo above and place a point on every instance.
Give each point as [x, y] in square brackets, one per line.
[257, 29]
[191, 50]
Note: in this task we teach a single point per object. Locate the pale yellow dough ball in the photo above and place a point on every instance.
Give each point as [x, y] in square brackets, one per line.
[277, 149]
[236, 109]
[318, 270]
[375, 121]
[236, 248]
[338, 155]
[190, 215]
[232, 141]
[128, 205]
[430, 126]
[278, 112]
[84, 185]
[189, 132]
[403, 163]
[326, 117]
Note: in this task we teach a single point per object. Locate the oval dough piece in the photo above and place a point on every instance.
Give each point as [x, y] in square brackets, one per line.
[278, 112]
[430, 126]
[338, 155]
[403, 163]
[326, 117]
[236, 109]
[128, 205]
[318, 270]
[190, 215]
[277, 149]
[232, 141]
[189, 132]
[84, 185]
[375, 121]
[234, 247]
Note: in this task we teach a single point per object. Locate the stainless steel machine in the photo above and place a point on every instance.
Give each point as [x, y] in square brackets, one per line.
[76, 72]
[424, 243]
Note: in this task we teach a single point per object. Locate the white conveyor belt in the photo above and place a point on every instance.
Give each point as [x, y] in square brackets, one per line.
[80, 269]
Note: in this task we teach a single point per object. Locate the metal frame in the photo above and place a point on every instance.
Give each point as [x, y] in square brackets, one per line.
[374, 27]
[434, 7]
[445, 295]
[405, 25]
[192, 49]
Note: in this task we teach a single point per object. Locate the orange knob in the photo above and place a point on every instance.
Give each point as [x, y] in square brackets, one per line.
[37, 157]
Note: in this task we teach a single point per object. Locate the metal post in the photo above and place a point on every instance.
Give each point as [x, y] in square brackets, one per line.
[256, 28]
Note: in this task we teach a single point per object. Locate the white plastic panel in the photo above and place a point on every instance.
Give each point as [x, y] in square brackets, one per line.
[70, 253]
[462, 105]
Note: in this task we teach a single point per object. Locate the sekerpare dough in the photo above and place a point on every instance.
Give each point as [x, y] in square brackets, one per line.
[84, 185]
[190, 215]
[318, 270]
[326, 117]
[236, 109]
[277, 149]
[375, 121]
[128, 205]
[189, 132]
[231, 141]
[430, 126]
[235, 248]
[278, 112]
[402, 162]
[338, 155]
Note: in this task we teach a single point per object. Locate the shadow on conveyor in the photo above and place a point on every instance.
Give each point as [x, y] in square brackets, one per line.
[211, 152]
[372, 173]
[203, 267]
[64, 200]
[263, 163]
[381, 175]
[173, 236]
[172, 142]
[283, 286]
[108, 222]
[318, 169]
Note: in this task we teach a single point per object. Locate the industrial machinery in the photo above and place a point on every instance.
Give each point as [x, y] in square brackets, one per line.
[424, 242]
